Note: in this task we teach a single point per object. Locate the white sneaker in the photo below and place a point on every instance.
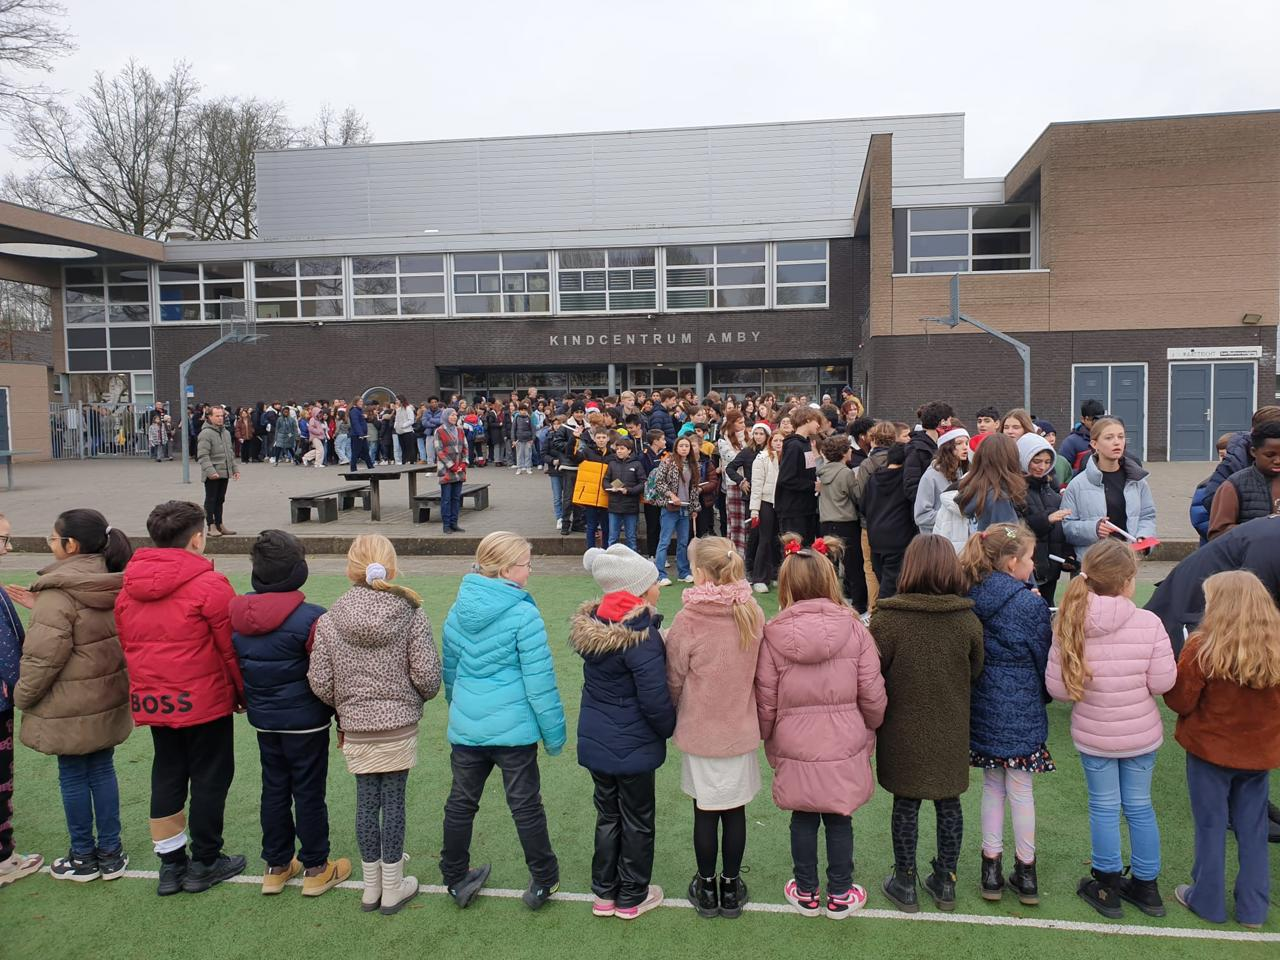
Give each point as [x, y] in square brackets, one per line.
[760, 587]
[688, 579]
[664, 582]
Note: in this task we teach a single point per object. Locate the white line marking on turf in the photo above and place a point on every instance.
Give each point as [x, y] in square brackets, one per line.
[1075, 926]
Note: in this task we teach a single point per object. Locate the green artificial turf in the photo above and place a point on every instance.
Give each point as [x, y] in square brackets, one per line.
[40, 917]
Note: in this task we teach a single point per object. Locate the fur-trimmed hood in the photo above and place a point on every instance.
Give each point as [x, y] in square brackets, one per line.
[592, 637]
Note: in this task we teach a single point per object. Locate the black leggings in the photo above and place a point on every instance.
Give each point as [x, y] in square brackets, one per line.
[380, 815]
[705, 840]
[905, 825]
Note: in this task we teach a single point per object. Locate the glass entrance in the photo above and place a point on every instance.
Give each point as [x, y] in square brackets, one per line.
[661, 377]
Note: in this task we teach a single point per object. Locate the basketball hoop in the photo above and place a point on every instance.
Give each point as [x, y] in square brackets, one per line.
[236, 326]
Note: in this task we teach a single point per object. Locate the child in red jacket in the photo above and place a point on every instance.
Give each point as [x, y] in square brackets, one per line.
[184, 684]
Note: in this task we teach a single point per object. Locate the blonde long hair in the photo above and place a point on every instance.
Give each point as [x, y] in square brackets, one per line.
[722, 564]
[499, 551]
[1239, 637]
[371, 548]
[1108, 567]
[807, 574]
[988, 548]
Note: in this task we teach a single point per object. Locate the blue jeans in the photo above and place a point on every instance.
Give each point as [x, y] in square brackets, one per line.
[1116, 785]
[450, 504]
[597, 518]
[422, 449]
[676, 521]
[1217, 792]
[557, 495]
[622, 526]
[90, 792]
[524, 454]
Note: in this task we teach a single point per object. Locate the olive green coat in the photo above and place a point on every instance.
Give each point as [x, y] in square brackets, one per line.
[72, 687]
[930, 652]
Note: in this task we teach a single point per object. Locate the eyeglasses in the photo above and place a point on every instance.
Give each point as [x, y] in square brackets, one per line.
[4, 542]
[527, 563]
[51, 540]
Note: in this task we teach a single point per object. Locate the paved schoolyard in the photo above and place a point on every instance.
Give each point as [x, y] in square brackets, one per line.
[125, 490]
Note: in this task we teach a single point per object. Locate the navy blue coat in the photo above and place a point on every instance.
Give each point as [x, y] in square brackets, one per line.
[272, 635]
[660, 419]
[1239, 455]
[359, 427]
[1006, 713]
[626, 715]
[11, 637]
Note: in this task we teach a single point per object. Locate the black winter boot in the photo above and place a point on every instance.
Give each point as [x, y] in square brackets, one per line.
[1100, 892]
[1143, 894]
[1023, 882]
[941, 885]
[992, 883]
[702, 894]
[900, 889]
[733, 897]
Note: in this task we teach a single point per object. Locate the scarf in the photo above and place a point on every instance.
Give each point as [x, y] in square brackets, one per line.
[615, 606]
[720, 594]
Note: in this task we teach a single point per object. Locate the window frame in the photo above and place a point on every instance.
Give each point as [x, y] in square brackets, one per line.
[715, 286]
[501, 293]
[558, 305]
[775, 286]
[201, 282]
[105, 323]
[1032, 256]
[398, 296]
[298, 299]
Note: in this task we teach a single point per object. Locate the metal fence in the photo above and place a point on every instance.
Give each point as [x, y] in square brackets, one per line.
[83, 430]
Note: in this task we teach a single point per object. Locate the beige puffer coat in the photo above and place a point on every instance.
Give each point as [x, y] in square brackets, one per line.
[72, 687]
[374, 661]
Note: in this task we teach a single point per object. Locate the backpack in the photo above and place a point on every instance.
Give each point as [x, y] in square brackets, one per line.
[651, 495]
[951, 523]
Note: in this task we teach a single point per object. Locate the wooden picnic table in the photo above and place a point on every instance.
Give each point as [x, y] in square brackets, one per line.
[8, 455]
[390, 471]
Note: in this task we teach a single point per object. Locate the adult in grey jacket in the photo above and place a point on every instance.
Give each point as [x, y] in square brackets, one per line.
[1086, 498]
[216, 456]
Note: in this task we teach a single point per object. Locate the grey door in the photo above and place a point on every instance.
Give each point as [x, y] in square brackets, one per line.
[1234, 392]
[1190, 411]
[1091, 383]
[1129, 403]
[4, 419]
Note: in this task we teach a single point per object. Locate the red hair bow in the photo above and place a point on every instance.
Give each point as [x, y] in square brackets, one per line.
[820, 544]
[792, 546]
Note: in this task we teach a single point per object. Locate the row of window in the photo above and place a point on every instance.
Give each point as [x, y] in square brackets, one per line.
[963, 239]
[732, 276]
[812, 381]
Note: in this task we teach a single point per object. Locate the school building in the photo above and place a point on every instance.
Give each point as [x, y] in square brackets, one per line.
[1138, 260]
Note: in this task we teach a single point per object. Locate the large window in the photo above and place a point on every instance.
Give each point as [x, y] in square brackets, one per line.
[811, 382]
[201, 291]
[517, 282]
[107, 312]
[800, 273]
[961, 239]
[727, 276]
[607, 280]
[411, 285]
[285, 289]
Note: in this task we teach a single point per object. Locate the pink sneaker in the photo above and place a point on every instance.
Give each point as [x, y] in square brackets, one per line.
[602, 908]
[841, 905]
[654, 899]
[808, 904]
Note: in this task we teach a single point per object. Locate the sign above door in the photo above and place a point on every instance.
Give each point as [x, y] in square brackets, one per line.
[1214, 353]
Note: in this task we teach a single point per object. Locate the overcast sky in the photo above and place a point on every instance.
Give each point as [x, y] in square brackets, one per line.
[426, 70]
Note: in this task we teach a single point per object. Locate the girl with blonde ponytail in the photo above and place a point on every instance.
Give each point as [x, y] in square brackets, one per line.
[375, 662]
[712, 647]
[1110, 660]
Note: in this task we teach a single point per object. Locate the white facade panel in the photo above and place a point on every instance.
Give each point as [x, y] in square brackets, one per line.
[700, 177]
[988, 190]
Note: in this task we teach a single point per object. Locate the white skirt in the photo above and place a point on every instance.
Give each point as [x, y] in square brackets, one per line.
[721, 783]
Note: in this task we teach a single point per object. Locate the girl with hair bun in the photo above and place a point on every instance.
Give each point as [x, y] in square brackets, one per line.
[1008, 725]
[73, 689]
[375, 662]
[1110, 660]
[712, 646]
[820, 698]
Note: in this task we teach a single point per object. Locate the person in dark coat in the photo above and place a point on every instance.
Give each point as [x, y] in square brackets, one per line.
[1179, 599]
[359, 430]
[922, 448]
[1239, 455]
[1077, 442]
[795, 499]
[272, 630]
[888, 518]
[1252, 492]
[625, 719]
[661, 419]
[931, 650]
[1042, 512]
[624, 478]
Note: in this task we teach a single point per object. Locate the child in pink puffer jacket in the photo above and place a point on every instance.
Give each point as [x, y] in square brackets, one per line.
[1111, 660]
[820, 697]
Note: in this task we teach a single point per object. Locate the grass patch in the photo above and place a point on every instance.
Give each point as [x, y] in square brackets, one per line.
[42, 918]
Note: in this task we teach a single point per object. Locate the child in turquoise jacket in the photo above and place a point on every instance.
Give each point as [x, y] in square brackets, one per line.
[500, 682]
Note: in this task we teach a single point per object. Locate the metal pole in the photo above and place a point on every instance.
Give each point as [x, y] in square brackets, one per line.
[613, 379]
[698, 380]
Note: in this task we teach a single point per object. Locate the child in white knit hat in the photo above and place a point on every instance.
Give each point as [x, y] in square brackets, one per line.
[624, 721]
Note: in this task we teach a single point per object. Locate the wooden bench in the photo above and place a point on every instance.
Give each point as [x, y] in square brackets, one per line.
[327, 503]
[478, 492]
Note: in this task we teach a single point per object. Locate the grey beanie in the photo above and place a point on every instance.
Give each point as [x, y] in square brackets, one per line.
[620, 568]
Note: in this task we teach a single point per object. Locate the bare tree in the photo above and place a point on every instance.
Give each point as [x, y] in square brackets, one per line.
[24, 309]
[31, 38]
[222, 199]
[332, 129]
[121, 155]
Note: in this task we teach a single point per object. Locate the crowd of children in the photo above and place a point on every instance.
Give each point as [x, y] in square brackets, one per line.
[953, 672]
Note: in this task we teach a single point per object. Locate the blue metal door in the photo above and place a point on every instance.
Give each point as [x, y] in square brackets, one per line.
[1234, 393]
[1129, 403]
[1190, 411]
[1091, 383]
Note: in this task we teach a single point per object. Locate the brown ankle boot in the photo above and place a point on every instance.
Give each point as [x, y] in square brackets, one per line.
[222, 528]
[213, 532]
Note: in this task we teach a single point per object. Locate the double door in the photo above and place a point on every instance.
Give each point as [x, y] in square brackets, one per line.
[1207, 400]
